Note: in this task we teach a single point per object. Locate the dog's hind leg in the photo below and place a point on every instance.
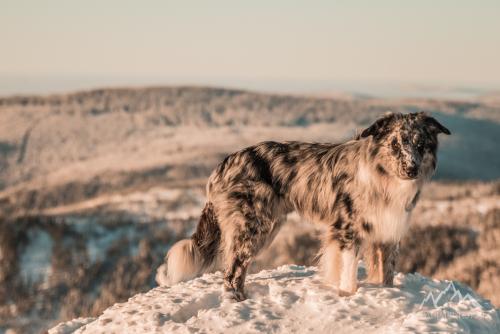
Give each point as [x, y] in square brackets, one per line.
[235, 274]
[253, 216]
[381, 262]
[245, 245]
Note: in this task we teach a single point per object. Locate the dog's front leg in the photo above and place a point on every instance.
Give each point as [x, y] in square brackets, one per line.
[340, 266]
[380, 260]
[348, 275]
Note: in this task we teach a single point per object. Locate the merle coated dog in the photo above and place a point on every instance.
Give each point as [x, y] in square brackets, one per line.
[363, 190]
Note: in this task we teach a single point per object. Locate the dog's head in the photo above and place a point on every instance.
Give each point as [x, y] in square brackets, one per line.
[405, 144]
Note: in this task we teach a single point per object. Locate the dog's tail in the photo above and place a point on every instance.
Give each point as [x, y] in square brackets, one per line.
[192, 257]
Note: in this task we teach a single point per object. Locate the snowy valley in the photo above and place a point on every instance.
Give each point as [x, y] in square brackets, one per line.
[96, 186]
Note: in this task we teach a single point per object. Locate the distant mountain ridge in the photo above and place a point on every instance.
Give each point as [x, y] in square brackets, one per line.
[108, 140]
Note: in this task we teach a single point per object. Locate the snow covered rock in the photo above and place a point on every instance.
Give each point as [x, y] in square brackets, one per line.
[293, 299]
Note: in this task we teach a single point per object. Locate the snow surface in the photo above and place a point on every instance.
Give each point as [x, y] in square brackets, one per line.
[293, 299]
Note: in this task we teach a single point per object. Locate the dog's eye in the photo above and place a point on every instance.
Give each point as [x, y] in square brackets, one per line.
[394, 144]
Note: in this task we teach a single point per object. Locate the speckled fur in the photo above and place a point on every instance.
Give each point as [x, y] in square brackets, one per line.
[363, 190]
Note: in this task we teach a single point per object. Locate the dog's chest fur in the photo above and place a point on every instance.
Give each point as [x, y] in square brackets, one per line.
[385, 203]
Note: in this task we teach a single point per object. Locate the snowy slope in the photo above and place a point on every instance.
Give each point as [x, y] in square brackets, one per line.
[292, 299]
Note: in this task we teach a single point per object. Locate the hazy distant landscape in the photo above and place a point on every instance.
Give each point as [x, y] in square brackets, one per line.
[96, 185]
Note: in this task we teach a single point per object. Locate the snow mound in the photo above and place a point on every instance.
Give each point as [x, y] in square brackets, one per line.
[294, 299]
[71, 326]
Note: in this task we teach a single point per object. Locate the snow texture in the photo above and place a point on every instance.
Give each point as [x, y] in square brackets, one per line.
[293, 299]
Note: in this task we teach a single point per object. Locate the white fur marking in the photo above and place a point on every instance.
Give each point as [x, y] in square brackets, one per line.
[331, 264]
[364, 174]
[183, 263]
[389, 198]
[348, 272]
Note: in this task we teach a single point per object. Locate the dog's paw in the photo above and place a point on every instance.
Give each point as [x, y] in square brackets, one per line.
[343, 293]
[234, 295]
[239, 296]
[373, 281]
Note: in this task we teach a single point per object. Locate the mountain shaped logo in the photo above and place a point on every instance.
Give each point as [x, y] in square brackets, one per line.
[442, 297]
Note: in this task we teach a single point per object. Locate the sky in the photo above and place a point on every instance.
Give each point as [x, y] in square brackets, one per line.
[50, 45]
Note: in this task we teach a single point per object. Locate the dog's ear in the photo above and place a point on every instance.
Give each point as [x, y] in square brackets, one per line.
[436, 127]
[380, 127]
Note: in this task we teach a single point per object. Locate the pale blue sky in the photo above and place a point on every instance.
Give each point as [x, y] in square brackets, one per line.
[120, 41]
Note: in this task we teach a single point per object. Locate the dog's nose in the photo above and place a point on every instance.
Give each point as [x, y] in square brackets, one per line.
[412, 171]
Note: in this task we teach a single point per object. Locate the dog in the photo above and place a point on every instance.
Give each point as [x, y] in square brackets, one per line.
[363, 190]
